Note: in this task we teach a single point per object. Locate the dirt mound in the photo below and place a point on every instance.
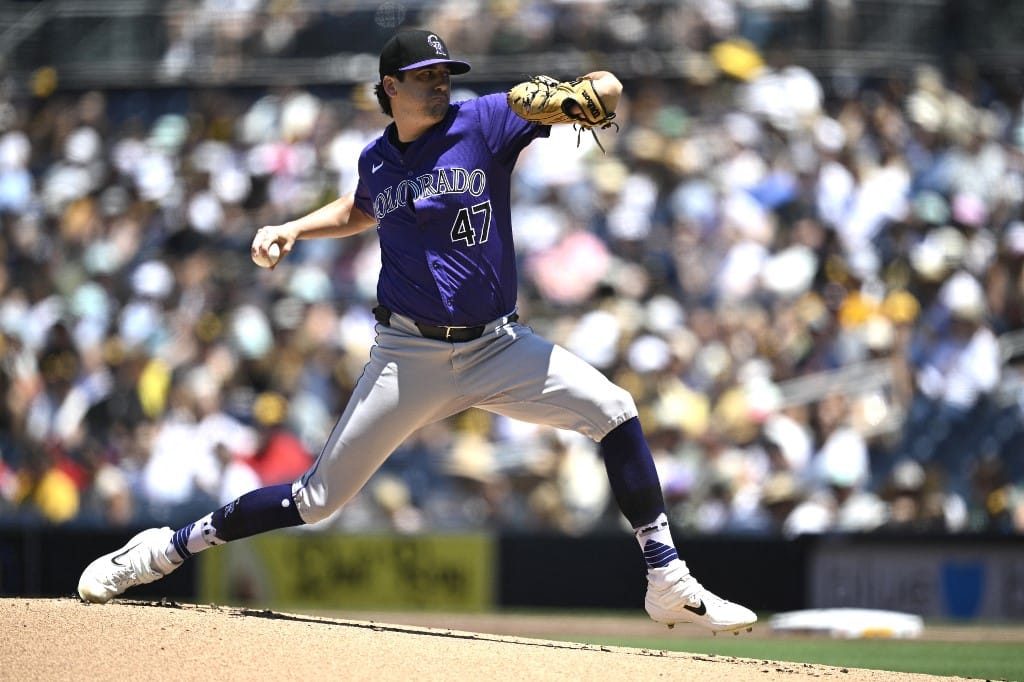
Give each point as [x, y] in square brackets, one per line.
[64, 639]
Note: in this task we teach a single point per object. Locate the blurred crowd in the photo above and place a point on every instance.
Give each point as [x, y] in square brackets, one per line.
[222, 36]
[811, 287]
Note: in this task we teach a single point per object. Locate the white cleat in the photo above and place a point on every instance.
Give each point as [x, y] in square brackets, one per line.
[141, 560]
[675, 596]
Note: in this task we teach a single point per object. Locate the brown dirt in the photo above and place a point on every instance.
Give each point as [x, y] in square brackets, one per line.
[66, 640]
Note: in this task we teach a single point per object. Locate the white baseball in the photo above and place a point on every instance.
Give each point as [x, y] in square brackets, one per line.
[273, 255]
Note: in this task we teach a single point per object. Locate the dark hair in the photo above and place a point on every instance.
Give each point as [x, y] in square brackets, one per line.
[383, 98]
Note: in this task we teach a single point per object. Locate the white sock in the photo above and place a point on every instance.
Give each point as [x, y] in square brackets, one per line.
[195, 537]
[655, 540]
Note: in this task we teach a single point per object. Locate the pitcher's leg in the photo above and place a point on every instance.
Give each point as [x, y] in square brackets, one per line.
[402, 389]
[535, 380]
[374, 423]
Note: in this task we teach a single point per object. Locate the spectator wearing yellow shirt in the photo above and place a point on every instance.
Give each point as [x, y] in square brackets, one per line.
[45, 489]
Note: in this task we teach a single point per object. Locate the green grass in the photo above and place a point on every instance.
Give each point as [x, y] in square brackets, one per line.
[983, 660]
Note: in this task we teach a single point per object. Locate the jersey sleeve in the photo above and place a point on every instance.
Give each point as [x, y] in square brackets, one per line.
[362, 199]
[504, 132]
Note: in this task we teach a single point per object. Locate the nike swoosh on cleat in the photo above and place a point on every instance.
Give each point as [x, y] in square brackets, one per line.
[114, 559]
[698, 610]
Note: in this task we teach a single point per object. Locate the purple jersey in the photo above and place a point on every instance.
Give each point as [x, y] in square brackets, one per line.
[443, 214]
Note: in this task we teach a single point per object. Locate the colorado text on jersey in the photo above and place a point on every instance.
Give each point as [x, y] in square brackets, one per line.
[438, 181]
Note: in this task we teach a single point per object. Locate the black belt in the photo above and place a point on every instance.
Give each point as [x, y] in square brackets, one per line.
[449, 334]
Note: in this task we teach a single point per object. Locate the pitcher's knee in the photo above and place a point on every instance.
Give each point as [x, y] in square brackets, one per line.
[616, 407]
[314, 502]
[621, 405]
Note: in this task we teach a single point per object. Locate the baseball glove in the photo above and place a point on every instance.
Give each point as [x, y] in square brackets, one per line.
[544, 100]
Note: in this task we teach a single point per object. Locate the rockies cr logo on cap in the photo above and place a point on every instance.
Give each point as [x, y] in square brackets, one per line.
[436, 43]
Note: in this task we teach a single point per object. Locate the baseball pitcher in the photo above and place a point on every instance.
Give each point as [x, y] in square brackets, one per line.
[435, 185]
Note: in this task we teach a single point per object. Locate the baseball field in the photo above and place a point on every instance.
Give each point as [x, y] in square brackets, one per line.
[64, 639]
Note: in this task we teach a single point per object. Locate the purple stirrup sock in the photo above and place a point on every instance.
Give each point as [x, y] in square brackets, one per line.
[632, 475]
[255, 512]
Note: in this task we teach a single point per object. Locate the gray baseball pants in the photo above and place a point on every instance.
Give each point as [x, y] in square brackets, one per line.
[411, 381]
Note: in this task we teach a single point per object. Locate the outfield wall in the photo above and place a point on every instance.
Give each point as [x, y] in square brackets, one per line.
[958, 577]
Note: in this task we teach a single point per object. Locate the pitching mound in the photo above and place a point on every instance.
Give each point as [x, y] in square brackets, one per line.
[64, 639]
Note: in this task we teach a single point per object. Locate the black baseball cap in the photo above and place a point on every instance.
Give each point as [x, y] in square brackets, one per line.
[414, 49]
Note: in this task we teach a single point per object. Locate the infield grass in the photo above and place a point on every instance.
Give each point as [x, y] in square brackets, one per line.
[978, 660]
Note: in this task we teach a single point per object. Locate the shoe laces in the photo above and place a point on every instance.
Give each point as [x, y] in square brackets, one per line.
[135, 569]
[687, 586]
[679, 580]
[123, 576]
